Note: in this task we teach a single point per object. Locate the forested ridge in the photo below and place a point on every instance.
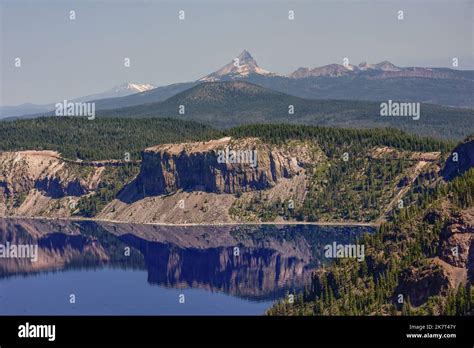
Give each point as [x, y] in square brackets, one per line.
[406, 245]
[98, 139]
[232, 103]
[347, 185]
[110, 138]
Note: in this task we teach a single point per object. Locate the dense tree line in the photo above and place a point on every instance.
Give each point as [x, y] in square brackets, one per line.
[98, 139]
[110, 138]
[334, 141]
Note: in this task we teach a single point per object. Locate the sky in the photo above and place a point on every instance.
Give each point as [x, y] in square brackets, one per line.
[65, 59]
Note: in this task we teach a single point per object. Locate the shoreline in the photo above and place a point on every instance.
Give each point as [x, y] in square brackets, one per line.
[374, 224]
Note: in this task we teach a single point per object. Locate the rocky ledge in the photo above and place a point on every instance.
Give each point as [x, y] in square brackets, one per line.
[220, 166]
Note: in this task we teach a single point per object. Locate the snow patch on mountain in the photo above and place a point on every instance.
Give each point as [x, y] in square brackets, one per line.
[133, 87]
[241, 66]
[122, 90]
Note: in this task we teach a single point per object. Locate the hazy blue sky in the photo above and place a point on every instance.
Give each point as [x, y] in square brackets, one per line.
[66, 59]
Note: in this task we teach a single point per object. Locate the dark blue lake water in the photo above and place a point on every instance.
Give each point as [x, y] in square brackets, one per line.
[112, 269]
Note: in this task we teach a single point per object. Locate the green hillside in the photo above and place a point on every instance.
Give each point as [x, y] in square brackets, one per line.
[401, 259]
[228, 104]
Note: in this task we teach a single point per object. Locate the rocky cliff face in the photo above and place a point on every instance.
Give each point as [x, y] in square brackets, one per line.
[212, 182]
[31, 181]
[454, 261]
[42, 183]
[456, 245]
[44, 170]
[220, 166]
[418, 284]
[461, 159]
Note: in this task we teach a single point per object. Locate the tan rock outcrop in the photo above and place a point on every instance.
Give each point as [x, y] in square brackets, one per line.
[221, 166]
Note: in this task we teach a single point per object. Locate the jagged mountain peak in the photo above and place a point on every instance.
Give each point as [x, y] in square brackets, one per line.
[245, 55]
[241, 66]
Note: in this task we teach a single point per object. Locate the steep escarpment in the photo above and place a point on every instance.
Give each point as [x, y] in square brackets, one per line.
[30, 180]
[42, 183]
[457, 240]
[177, 183]
[219, 166]
[450, 263]
[201, 182]
[460, 160]
[231, 179]
[44, 170]
[264, 173]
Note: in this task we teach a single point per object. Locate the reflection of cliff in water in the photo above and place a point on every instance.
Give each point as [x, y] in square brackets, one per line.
[271, 259]
[254, 272]
[63, 245]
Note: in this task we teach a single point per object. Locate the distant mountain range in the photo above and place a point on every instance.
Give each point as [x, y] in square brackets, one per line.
[373, 82]
[377, 82]
[118, 91]
[370, 82]
[244, 66]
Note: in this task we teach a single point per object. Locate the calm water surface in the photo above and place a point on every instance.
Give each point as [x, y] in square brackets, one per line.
[114, 269]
